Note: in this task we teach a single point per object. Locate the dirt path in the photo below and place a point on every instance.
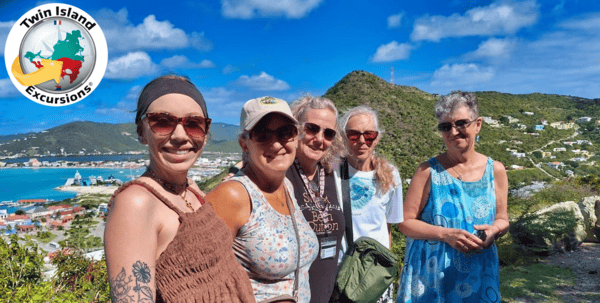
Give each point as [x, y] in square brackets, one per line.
[585, 263]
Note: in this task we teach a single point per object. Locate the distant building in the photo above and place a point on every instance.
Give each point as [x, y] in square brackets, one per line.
[528, 113]
[518, 155]
[516, 167]
[546, 154]
[559, 149]
[556, 165]
[584, 119]
[39, 212]
[539, 127]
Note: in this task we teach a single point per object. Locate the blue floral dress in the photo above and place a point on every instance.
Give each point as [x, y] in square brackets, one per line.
[436, 272]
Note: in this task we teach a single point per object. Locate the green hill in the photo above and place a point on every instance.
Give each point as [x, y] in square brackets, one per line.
[411, 137]
[100, 138]
[406, 114]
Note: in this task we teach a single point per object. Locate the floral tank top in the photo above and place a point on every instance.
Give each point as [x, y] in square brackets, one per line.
[267, 248]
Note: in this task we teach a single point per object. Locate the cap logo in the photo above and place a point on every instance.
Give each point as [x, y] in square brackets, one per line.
[268, 101]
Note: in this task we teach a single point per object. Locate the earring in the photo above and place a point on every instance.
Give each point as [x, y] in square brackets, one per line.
[477, 138]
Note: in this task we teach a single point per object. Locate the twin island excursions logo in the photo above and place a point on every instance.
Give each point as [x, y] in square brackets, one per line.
[56, 54]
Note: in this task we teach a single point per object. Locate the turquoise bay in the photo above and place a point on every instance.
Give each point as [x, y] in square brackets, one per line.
[39, 183]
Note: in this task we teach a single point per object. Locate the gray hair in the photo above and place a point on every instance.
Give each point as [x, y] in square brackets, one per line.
[301, 107]
[455, 100]
[360, 110]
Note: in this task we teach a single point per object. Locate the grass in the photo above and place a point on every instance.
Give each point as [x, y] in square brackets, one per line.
[44, 237]
[537, 282]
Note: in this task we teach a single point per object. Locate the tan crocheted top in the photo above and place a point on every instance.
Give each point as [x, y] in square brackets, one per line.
[199, 264]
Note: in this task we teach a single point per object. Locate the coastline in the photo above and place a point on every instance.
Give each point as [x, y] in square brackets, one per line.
[108, 190]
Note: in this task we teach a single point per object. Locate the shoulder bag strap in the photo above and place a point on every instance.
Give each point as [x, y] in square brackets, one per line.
[292, 214]
[347, 204]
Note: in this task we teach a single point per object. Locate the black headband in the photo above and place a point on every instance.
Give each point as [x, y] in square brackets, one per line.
[162, 86]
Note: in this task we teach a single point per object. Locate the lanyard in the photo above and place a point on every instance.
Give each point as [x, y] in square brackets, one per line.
[318, 201]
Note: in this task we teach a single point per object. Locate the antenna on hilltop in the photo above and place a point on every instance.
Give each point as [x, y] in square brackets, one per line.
[392, 78]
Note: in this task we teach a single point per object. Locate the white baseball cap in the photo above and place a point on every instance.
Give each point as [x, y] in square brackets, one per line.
[256, 109]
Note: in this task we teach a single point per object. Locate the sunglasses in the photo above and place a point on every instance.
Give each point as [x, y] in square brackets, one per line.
[354, 135]
[460, 125]
[165, 124]
[283, 134]
[314, 129]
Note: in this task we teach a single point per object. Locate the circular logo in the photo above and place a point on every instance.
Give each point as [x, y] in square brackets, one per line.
[56, 54]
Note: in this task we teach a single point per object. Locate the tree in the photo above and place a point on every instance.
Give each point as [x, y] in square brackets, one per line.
[537, 154]
[504, 120]
[20, 212]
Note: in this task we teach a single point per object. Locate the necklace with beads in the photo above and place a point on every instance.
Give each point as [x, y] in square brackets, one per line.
[174, 188]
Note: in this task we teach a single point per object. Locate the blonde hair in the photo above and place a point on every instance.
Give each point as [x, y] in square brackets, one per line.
[384, 171]
[301, 107]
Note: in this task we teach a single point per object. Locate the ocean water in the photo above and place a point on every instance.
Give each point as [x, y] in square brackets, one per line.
[39, 183]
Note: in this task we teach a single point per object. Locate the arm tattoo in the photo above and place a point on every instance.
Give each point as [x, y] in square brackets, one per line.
[120, 286]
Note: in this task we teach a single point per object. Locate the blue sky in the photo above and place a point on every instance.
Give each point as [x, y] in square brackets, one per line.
[235, 50]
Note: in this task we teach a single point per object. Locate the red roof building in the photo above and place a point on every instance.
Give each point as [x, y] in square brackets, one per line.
[32, 201]
[26, 227]
[16, 217]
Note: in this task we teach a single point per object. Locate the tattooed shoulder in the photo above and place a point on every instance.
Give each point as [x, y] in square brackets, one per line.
[132, 288]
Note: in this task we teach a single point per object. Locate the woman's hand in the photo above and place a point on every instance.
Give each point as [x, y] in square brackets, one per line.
[491, 232]
[462, 240]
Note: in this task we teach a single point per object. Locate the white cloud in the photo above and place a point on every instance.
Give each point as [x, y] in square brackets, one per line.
[131, 66]
[494, 48]
[263, 82]
[392, 51]
[179, 61]
[4, 30]
[124, 110]
[499, 18]
[122, 35]
[461, 76]
[8, 89]
[587, 23]
[248, 9]
[394, 20]
[229, 69]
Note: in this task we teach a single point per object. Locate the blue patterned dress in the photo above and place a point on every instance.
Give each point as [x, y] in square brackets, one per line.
[434, 271]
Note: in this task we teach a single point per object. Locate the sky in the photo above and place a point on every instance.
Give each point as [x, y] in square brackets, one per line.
[236, 50]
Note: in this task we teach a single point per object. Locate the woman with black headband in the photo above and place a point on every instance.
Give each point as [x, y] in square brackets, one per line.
[163, 243]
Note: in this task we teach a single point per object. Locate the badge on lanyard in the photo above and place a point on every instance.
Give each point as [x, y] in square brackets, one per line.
[328, 247]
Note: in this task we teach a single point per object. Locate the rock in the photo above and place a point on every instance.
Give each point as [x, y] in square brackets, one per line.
[547, 229]
[590, 210]
[580, 229]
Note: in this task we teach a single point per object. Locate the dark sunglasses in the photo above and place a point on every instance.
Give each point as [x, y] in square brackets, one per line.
[283, 133]
[165, 124]
[314, 129]
[354, 135]
[460, 125]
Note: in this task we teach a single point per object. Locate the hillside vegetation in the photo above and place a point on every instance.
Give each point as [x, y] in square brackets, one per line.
[100, 138]
[411, 137]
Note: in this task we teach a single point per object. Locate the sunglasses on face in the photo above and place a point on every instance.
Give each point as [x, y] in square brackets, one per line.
[354, 135]
[165, 124]
[283, 134]
[459, 125]
[314, 129]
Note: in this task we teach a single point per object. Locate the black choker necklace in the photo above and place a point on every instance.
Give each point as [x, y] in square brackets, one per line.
[173, 188]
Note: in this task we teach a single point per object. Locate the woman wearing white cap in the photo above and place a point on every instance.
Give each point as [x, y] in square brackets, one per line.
[273, 241]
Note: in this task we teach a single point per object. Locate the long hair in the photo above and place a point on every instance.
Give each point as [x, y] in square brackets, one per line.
[301, 107]
[384, 171]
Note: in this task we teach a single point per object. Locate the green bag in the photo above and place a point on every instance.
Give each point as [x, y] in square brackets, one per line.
[369, 267]
[367, 272]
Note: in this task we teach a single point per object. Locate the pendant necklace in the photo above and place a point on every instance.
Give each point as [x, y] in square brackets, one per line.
[171, 187]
